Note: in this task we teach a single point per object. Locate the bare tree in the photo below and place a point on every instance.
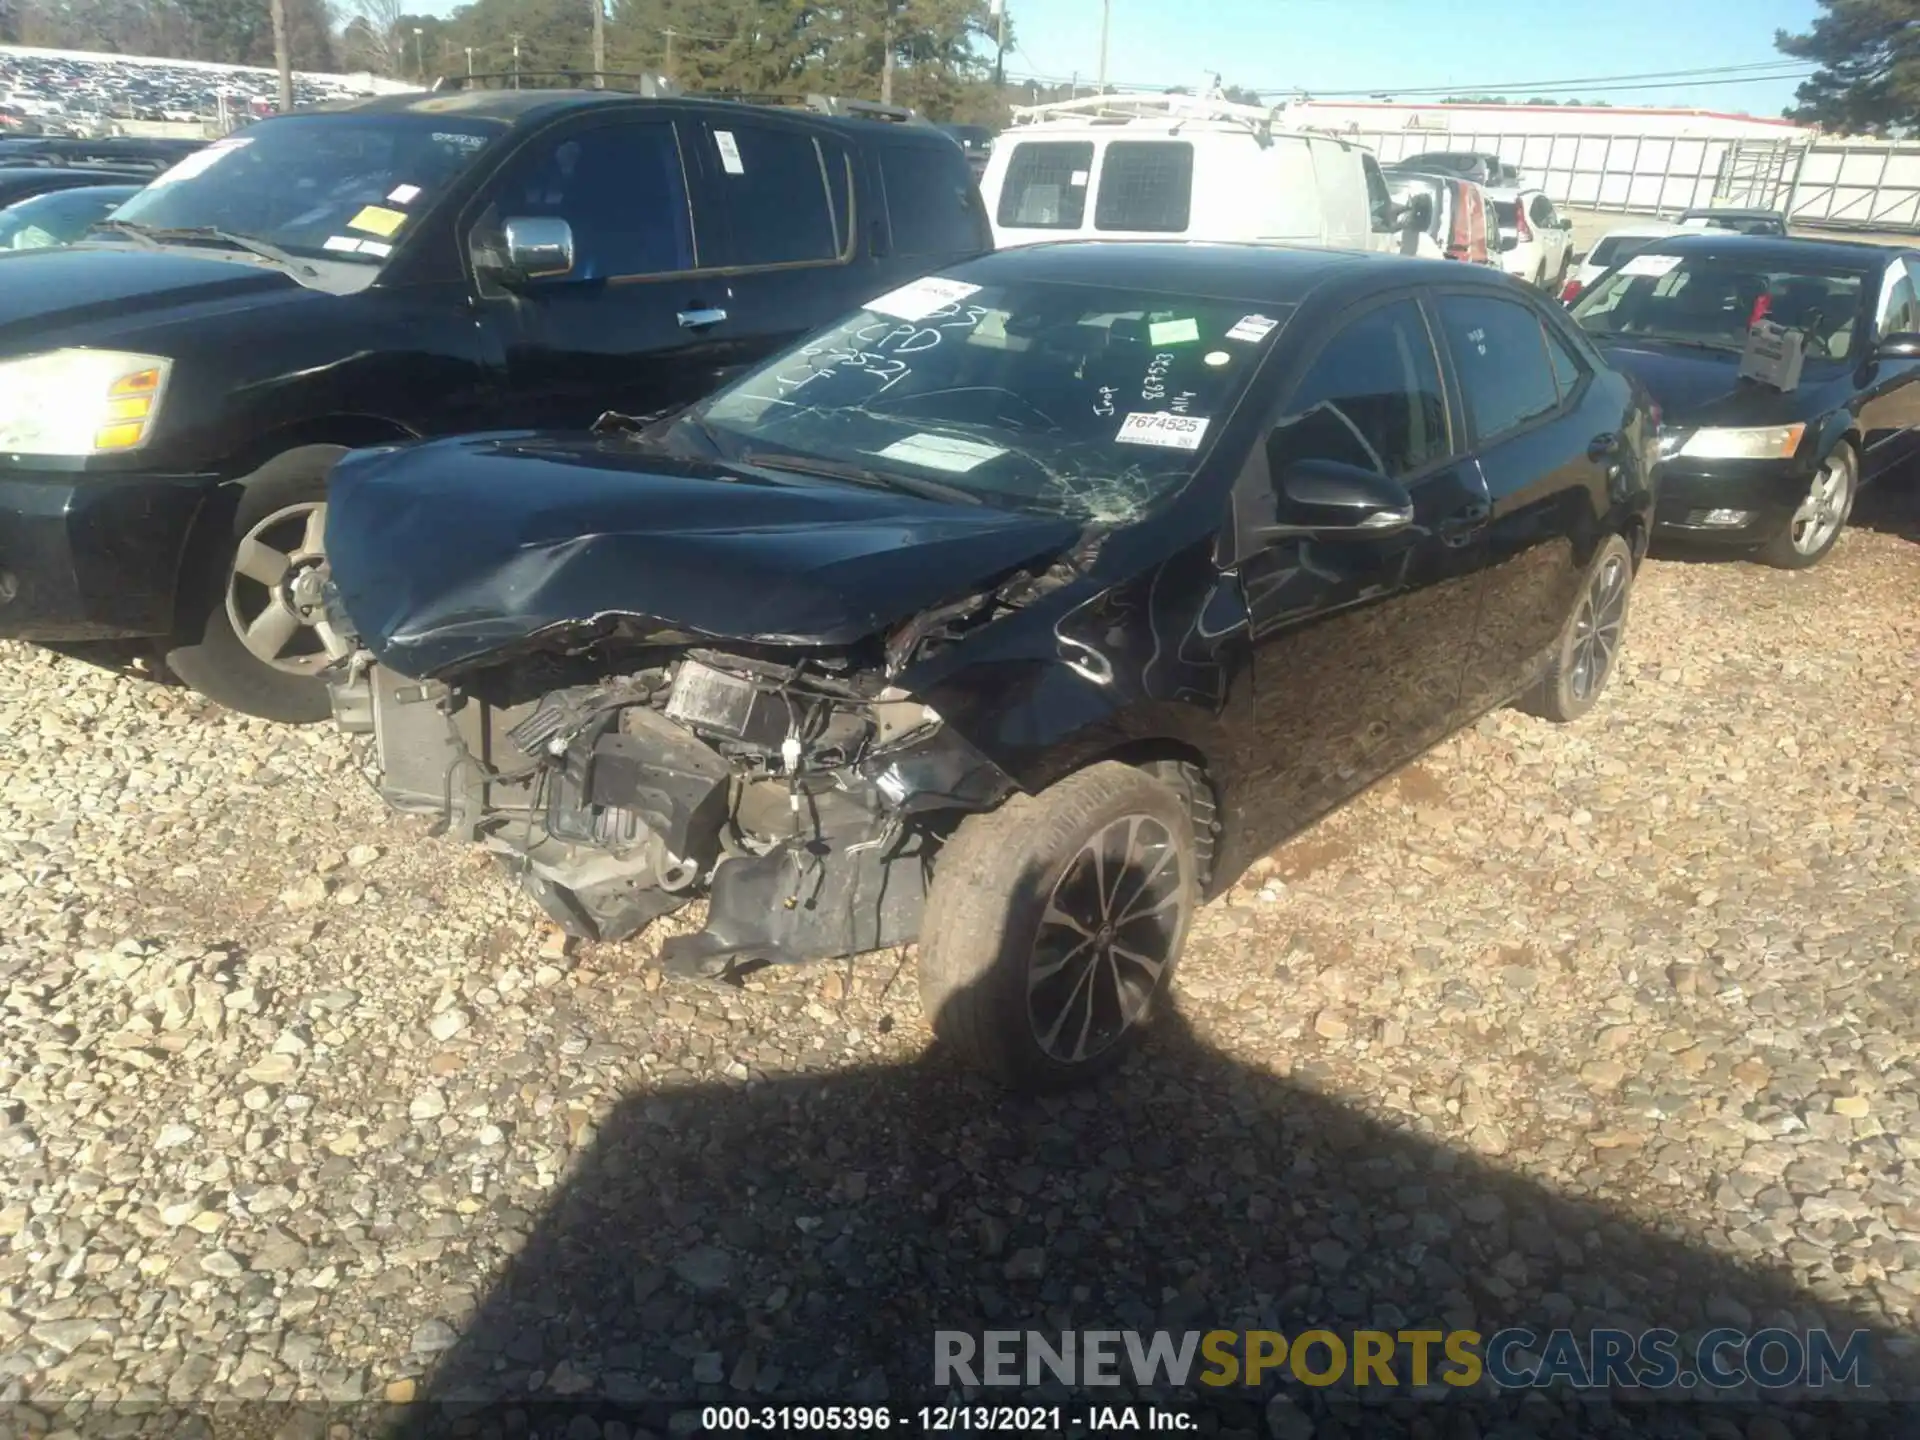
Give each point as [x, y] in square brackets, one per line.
[374, 38]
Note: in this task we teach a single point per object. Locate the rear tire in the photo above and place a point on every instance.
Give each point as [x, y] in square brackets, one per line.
[1054, 925]
[1589, 646]
[276, 531]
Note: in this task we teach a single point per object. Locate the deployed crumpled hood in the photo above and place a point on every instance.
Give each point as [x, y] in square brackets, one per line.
[450, 554]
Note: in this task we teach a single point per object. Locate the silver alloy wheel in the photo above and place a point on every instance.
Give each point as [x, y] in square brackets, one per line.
[275, 591]
[1829, 501]
[1109, 932]
[1597, 627]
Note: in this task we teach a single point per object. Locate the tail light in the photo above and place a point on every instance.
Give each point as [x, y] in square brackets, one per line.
[1520, 227]
[1571, 292]
[1760, 309]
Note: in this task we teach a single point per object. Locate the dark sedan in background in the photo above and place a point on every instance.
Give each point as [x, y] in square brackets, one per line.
[1017, 611]
[59, 217]
[1745, 463]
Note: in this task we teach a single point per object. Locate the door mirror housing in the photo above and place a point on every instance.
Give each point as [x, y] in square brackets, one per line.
[1418, 214]
[1901, 345]
[1329, 500]
[532, 247]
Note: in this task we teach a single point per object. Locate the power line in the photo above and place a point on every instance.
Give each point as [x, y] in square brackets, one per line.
[1775, 68]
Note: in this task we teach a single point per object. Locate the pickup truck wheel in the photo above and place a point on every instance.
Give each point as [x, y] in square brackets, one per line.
[1054, 925]
[1815, 527]
[254, 604]
[1589, 644]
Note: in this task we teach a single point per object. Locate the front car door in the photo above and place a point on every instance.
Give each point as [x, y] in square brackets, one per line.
[611, 333]
[1546, 460]
[1890, 399]
[1359, 642]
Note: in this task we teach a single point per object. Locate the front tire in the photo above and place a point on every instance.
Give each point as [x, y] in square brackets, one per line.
[1589, 645]
[1055, 923]
[1815, 527]
[251, 602]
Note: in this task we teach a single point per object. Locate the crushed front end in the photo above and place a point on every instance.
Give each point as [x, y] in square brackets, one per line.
[796, 788]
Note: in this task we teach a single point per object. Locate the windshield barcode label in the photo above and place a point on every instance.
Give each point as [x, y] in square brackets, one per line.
[1171, 432]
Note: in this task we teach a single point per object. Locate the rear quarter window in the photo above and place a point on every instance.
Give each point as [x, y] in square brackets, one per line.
[1046, 185]
[929, 201]
[1146, 185]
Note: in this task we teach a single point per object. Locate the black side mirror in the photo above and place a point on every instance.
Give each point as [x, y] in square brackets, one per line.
[1420, 212]
[1324, 498]
[1902, 345]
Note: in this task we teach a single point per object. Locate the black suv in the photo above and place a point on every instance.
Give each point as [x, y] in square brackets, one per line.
[174, 392]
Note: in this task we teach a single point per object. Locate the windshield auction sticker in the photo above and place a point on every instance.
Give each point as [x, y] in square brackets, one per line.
[1169, 432]
[1252, 329]
[1655, 265]
[380, 220]
[943, 452]
[922, 298]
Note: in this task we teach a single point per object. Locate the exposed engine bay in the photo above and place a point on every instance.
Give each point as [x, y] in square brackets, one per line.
[798, 789]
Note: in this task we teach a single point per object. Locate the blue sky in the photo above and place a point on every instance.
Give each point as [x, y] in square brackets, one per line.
[1375, 45]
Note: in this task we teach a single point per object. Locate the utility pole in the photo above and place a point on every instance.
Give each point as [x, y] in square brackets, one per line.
[469, 62]
[515, 37]
[886, 56]
[1106, 22]
[668, 67]
[1000, 54]
[599, 44]
[282, 53]
[419, 53]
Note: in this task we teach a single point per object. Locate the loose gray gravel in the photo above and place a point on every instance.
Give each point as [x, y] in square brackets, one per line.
[1610, 1024]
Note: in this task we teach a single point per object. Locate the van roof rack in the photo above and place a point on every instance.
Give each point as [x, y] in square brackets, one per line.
[1124, 109]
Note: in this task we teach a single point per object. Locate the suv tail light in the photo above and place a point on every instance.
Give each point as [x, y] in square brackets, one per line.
[1571, 292]
[1520, 226]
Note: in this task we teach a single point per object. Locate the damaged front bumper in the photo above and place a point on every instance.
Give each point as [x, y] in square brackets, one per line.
[802, 800]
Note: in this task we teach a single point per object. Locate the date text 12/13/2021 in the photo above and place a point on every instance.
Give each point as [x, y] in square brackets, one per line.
[942, 1419]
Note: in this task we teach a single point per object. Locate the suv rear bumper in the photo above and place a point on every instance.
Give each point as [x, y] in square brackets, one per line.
[89, 556]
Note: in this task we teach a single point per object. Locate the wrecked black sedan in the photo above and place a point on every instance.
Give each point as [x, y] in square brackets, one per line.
[1016, 613]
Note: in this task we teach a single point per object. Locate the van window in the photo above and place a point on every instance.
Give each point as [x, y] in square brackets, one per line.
[1046, 185]
[1145, 185]
[927, 201]
[773, 183]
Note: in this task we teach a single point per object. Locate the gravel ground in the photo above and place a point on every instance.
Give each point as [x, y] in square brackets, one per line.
[1616, 1023]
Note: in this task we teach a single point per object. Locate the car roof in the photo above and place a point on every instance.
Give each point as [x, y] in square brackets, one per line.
[1266, 274]
[1781, 249]
[514, 107]
[1653, 228]
[1734, 212]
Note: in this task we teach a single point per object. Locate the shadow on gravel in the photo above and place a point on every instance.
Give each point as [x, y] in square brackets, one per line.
[803, 1238]
[1892, 506]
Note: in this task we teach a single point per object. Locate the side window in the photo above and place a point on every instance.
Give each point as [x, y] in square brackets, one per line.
[1378, 200]
[1899, 305]
[772, 183]
[1046, 185]
[621, 189]
[1371, 398]
[927, 201]
[1145, 185]
[1499, 349]
[1568, 370]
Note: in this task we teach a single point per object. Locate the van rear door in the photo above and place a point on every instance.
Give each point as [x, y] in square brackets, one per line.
[1037, 190]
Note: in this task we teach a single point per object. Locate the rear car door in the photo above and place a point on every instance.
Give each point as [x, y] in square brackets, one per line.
[1890, 404]
[1545, 456]
[1360, 641]
[606, 335]
[782, 194]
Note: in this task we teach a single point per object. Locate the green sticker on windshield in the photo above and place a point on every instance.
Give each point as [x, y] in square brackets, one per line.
[1173, 332]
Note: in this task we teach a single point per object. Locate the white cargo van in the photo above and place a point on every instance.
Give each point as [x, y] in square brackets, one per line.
[1166, 167]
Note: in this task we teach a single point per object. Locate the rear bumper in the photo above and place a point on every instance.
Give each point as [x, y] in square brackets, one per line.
[89, 556]
[1765, 493]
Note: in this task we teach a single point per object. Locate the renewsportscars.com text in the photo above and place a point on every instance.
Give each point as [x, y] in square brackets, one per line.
[1510, 1359]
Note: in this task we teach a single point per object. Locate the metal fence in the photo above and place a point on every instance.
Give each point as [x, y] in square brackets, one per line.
[1854, 184]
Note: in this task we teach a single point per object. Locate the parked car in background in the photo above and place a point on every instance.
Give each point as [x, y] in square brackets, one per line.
[18, 183]
[976, 141]
[1084, 575]
[1535, 243]
[1173, 167]
[1744, 222]
[1616, 247]
[1454, 213]
[1480, 167]
[59, 217]
[172, 398]
[1745, 463]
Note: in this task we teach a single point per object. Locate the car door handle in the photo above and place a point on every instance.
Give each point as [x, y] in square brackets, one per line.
[1463, 524]
[1602, 446]
[699, 319]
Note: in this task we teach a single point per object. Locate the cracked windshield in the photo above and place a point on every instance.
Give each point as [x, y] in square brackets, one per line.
[1086, 402]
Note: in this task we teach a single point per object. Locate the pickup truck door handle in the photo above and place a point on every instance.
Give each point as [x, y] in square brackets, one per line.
[699, 319]
[1602, 446]
[1466, 518]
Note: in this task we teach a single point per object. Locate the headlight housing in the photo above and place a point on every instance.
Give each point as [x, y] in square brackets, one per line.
[1765, 442]
[80, 402]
